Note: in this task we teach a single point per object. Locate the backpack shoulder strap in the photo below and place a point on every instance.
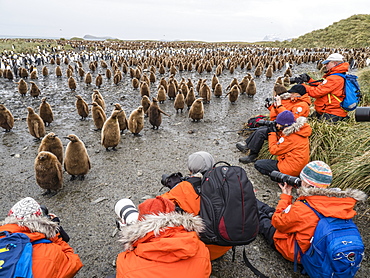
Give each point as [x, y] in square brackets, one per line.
[334, 96]
[196, 182]
[43, 240]
[314, 210]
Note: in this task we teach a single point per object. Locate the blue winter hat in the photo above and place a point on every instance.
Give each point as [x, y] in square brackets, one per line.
[285, 118]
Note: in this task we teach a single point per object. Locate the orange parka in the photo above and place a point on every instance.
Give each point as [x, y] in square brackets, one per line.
[184, 196]
[291, 146]
[164, 245]
[323, 91]
[52, 260]
[299, 106]
[296, 221]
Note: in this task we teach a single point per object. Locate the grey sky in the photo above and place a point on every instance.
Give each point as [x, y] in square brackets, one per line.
[207, 20]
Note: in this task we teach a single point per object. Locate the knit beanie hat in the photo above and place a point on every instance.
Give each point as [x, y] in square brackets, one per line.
[317, 173]
[200, 162]
[25, 208]
[300, 89]
[156, 206]
[285, 118]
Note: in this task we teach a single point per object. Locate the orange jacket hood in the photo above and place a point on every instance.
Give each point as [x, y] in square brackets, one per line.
[164, 238]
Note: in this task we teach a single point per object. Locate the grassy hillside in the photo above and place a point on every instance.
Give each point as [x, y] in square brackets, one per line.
[353, 32]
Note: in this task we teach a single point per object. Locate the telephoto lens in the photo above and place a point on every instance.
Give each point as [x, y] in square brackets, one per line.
[281, 178]
[266, 123]
[126, 211]
[362, 114]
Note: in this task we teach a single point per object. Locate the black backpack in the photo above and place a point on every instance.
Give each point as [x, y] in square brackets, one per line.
[228, 207]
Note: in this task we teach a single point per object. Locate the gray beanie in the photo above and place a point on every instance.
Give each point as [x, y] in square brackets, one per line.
[200, 162]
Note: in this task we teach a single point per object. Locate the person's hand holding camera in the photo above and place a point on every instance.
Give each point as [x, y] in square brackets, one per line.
[271, 128]
[286, 188]
[277, 102]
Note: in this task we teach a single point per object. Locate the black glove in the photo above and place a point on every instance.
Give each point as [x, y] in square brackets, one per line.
[272, 128]
[304, 77]
[62, 233]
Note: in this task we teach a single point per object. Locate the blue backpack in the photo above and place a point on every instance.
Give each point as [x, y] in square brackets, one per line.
[336, 249]
[352, 92]
[16, 255]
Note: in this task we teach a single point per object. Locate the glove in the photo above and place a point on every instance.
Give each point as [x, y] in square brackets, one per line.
[271, 128]
[304, 77]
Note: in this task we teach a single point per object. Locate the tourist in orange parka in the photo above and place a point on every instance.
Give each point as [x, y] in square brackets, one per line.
[163, 243]
[55, 259]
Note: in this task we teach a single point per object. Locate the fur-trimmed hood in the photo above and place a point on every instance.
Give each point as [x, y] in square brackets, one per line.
[157, 224]
[300, 126]
[35, 224]
[356, 194]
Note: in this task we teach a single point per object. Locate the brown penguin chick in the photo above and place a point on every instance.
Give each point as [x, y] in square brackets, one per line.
[110, 134]
[190, 84]
[218, 90]
[45, 112]
[98, 116]
[69, 73]
[122, 119]
[258, 71]
[48, 172]
[286, 81]
[184, 89]
[199, 84]
[33, 75]
[152, 77]
[34, 90]
[145, 103]
[171, 90]
[135, 83]
[22, 87]
[279, 89]
[116, 78]
[164, 83]
[214, 82]
[289, 72]
[179, 102]
[218, 71]
[162, 70]
[251, 88]
[154, 114]
[269, 72]
[98, 98]
[35, 124]
[82, 107]
[232, 83]
[108, 74]
[81, 73]
[205, 93]
[88, 78]
[161, 94]
[6, 118]
[136, 121]
[45, 71]
[76, 159]
[72, 83]
[144, 89]
[234, 94]
[23, 73]
[279, 80]
[196, 111]
[190, 97]
[244, 84]
[51, 143]
[58, 71]
[99, 80]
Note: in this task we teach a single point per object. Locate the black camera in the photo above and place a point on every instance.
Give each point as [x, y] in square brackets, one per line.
[281, 178]
[362, 114]
[269, 101]
[266, 123]
[171, 180]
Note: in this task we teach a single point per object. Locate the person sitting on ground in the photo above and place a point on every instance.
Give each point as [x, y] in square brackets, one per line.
[163, 243]
[55, 259]
[295, 100]
[187, 199]
[329, 92]
[289, 141]
[295, 221]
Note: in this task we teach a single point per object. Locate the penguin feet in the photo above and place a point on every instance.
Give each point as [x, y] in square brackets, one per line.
[114, 149]
[81, 177]
[47, 192]
[107, 149]
[73, 177]
[137, 134]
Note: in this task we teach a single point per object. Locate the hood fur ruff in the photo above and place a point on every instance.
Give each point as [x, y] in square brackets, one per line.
[356, 194]
[35, 223]
[300, 121]
[158, 223]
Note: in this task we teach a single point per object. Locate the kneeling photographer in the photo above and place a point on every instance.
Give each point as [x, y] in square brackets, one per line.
[294, 100]
[288, 140]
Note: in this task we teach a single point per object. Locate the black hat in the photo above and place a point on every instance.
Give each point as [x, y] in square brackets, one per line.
[300, 89]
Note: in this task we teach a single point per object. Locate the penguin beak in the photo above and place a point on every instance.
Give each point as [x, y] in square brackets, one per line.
[66, 137]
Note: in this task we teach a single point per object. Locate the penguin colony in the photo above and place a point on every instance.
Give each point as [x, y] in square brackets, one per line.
[156, 73]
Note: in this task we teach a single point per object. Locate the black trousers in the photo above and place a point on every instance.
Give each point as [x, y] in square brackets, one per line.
[266, 166]
[328, 117]
[256, 139]
[265, 227]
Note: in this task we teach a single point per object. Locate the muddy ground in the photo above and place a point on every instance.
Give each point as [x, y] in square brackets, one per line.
[86, 208]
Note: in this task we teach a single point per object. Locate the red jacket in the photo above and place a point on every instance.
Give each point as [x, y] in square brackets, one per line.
[51, 260]
[184, 196]
[164, 245]
[324, 91]
[292, 147]
[296, 221]
[300, 106]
